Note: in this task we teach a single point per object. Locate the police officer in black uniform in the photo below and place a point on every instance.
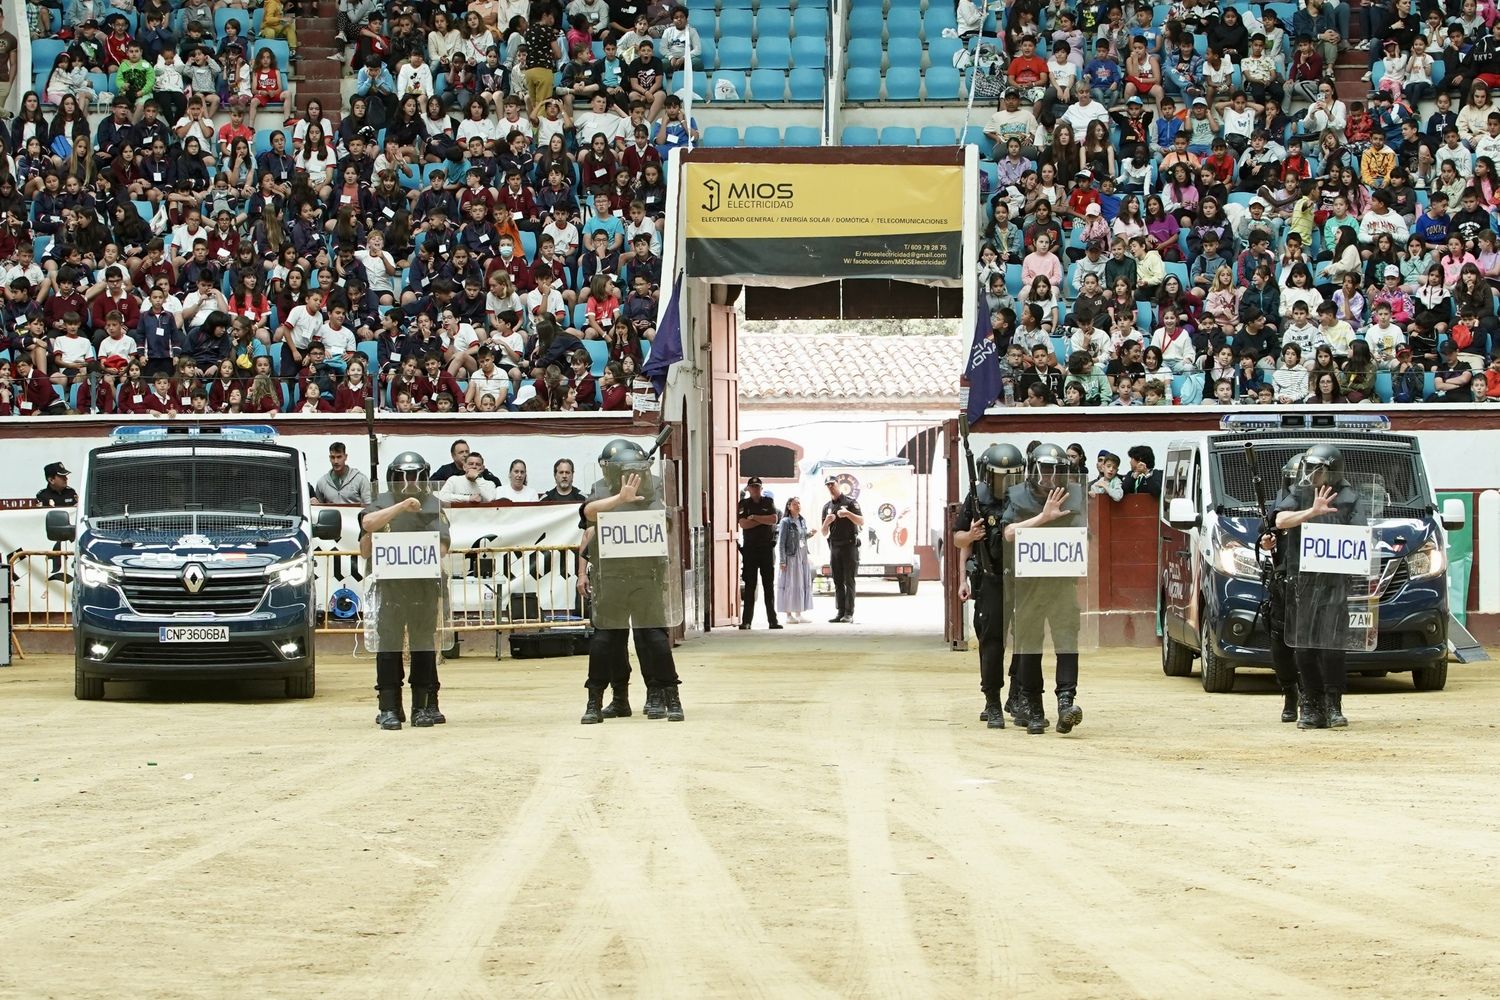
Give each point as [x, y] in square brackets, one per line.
[1273, 608]
[405, 612]
[842, 520]
[757, 521]
[57, 492]
[981, 547]
[639, 584]
[1318, 610]
[1049, 497]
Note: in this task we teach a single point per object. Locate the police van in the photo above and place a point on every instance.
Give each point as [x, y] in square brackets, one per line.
[193, 559]
[1211, 593]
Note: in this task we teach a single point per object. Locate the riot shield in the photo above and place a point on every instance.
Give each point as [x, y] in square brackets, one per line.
[636, 570]
[1333, 568]
[1051, 602]
[406, 592]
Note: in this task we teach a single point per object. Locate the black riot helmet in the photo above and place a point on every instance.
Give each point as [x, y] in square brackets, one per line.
[1048, 465]
[1323, 458]
[1001, 466]
[409, 473]
[1290, 469]
[619, 457]
[620, 452]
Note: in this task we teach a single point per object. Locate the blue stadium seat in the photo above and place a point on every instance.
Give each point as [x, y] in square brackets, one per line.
[939, 17]
[278, 48]
[866, 22]
[223, 17]
[904, 51]
[371, 350]
[762, 136]
[598, 356]
[1013, 278]
[809, 52]
[904, 84]
[973, 135]
[679, 81]
[942, 84]
[768, 85]
[772, 22]
[940, 51]
[736, 80]
[810, 21]
[802, 135]
[898, 135]
[937, 135]
[863, 84]
[807, 83]
[865, 53]
[706, 20]
[528, 244]
[720, 136]
[774, 52]
[736, 4]
[860, 135]
[735, 24]
[44, 52]
[904, 22]
[735, 53]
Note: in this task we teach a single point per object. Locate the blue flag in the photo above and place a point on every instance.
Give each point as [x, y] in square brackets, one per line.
[667, 346]
[982, 370]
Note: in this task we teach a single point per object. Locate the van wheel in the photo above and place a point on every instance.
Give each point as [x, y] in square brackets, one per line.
[87, 687]
[1218, 673]
[304, 685]
[908, 585]
[1433, 678]
[1176, 659]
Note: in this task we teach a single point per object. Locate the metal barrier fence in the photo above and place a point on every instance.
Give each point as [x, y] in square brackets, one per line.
[490, 588]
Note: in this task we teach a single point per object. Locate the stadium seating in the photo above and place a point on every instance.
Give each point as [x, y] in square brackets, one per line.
[862, 84]
[767, 85]
[715, 136]
[802, 135]
[761, 136]
[898, 135]
[806, 84]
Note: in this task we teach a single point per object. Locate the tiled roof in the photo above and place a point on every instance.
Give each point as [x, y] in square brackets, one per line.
[854, 368]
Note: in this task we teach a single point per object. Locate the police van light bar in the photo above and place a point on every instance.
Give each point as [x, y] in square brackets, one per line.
[1304, 421]
[233, 432]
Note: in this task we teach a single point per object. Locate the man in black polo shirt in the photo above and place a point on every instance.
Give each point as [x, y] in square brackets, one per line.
[57, 492]
[757, 520]
[564, 491]
[842, 520]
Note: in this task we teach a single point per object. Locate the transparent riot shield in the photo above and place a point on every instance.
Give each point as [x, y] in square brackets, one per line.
[636, 569]
[406, 592]
[1051, 600]
[1333, 567]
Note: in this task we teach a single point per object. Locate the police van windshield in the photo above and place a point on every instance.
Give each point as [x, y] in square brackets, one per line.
[208, 490]
[1395, 468]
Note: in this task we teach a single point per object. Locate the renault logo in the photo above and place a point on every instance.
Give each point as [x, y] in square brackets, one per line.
[193, 577]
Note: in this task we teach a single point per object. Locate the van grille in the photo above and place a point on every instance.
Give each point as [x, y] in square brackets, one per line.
[165, 595]
[188, 655]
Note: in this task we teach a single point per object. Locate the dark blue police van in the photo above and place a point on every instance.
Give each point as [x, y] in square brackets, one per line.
[193, 559]
[1211, 593]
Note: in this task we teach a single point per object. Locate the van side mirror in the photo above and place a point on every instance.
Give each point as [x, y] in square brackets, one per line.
[328, 525]
[1454, 514]
[60, 526]
[1181, 515]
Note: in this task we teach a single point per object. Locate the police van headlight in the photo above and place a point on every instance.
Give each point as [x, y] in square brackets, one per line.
[1238, 560]
[96, 574]
[292, 573]
[1427, 562]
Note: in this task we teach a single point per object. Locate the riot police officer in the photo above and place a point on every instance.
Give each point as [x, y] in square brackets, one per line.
[630, 594]
[981, 550]
[1050, 496]
[1273, 606]
[1317, 605]
[405, 613]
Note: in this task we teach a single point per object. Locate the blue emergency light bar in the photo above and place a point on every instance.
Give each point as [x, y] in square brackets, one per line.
[1304, 421]
[232, 432]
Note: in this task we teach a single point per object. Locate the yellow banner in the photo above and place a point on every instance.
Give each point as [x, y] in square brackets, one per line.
[806, 200]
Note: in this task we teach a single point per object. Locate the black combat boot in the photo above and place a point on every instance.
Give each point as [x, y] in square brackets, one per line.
[1010, 700]
[422, 711]
[438, 718]
[1289, 705]
[654, 707]
[673, 702]
[619, 705]
[1333, 710]
[993, 713]
[1036, 716]
[390, 716]
[1310, 712]
[593, 712]
[1068, 714]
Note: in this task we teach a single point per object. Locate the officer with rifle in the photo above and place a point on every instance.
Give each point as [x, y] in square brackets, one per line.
[1273, 585]
[981, 551]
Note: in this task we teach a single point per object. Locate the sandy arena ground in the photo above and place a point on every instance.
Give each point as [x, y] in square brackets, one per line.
[832, 821]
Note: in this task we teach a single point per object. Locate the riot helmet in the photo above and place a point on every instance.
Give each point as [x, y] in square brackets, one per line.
[409, 474]
[1048, 467]
[1290, 470]
[620, 457]
[1001, 466]
[1325, 459]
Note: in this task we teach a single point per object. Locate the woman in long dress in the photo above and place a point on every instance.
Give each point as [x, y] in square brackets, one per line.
[794, 584]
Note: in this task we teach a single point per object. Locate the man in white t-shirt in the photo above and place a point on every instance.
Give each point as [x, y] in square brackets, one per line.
[471, 487]
[1084, 111]
[302, 323]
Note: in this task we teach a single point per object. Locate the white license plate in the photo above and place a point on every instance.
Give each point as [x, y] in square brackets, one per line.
[193, 633]
[1361, 619]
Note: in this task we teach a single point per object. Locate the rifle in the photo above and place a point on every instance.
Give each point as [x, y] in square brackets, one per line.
[374, 445]
[1269, 585]
[983, 550]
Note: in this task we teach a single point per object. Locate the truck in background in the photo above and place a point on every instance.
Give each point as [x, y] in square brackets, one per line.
[886, 490]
